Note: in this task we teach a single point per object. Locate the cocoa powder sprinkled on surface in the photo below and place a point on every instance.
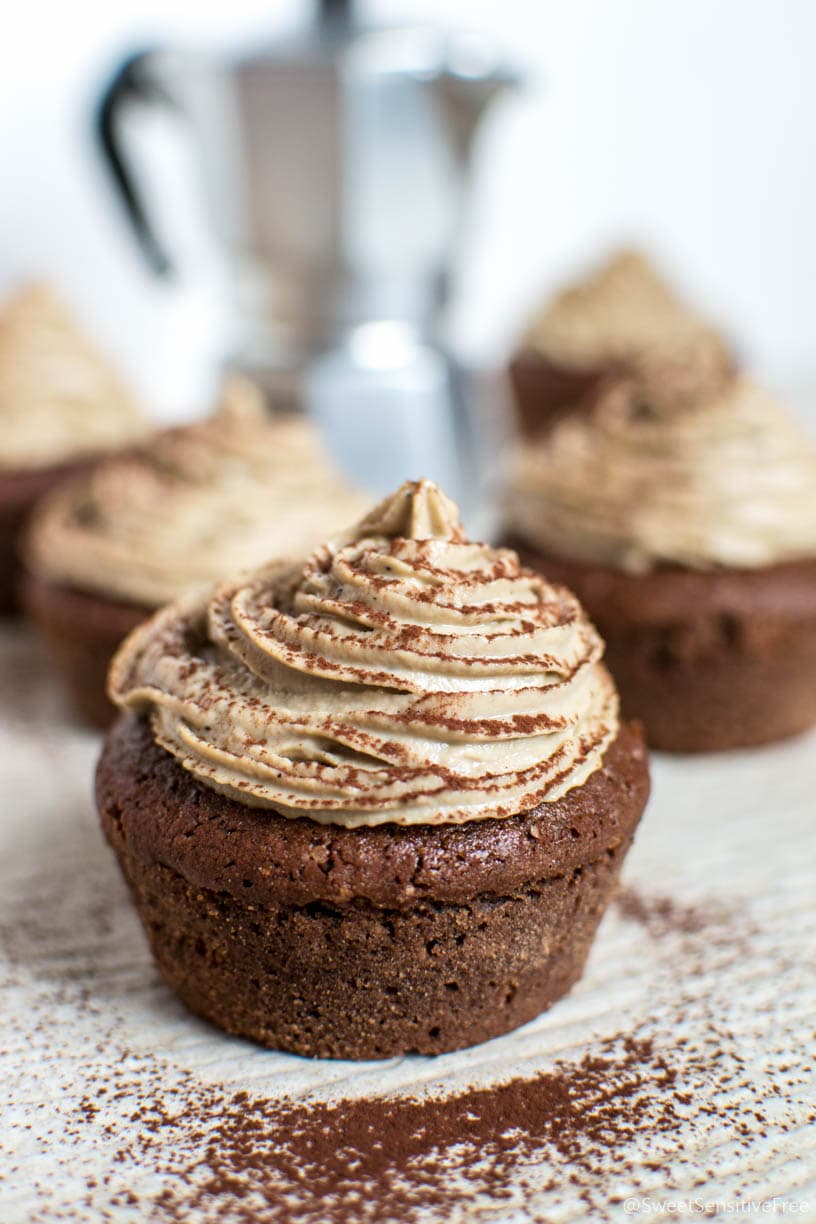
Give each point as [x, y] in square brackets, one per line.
[235, 1157]
[662, 915]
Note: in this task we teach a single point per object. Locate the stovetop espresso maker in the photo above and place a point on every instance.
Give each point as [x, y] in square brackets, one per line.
[332, 169]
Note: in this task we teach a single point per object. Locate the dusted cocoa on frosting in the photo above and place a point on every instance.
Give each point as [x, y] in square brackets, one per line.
[401, 674]
[59, 399]
[641, 482]
[625, 313]
[196, 503]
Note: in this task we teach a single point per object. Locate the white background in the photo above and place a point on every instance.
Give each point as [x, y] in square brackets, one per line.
[685, 124]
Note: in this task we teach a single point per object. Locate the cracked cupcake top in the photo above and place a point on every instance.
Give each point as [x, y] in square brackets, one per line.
[401, 674]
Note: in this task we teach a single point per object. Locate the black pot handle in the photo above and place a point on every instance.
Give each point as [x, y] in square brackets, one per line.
[134, 83]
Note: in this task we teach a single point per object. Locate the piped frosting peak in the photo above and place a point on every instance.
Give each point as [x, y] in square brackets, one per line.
[419, 510]
[625, 313]
[59, 398]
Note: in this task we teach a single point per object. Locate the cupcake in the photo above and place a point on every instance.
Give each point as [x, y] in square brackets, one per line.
[622, 317]
[60, 405]
[138, 531]
[688, 531]
[376, 801]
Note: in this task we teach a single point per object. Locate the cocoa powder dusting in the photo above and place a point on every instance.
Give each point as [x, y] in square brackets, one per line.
[235, 1157]
[662, 915]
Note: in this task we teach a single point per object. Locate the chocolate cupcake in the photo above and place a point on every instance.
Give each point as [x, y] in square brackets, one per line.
[60, 405]
[689, 533]
[375, 802]
[623, 317]
[138, 531]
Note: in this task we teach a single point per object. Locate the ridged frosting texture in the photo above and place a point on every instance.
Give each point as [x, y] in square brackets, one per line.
[625, 312]
[59, 398]
[401, 674]
[729, 481]
[196, 503]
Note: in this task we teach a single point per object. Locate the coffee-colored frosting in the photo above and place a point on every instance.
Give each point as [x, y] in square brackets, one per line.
[59, 399]
[626, 313]
[729, 481]
[401, 674]
[198, 502]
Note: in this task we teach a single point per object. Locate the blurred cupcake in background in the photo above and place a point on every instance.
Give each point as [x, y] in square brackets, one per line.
[623, 317]
[687, 528]
[138, 531]
[61, 404]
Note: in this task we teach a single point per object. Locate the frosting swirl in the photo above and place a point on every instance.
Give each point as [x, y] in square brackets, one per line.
[729, 481]
[625, 313]
[401, 674]
[194, 504]
[59, 399]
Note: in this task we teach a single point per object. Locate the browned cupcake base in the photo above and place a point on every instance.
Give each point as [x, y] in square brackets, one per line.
[19, 491]
[82, 632]
[708, 661]
[364, 943]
